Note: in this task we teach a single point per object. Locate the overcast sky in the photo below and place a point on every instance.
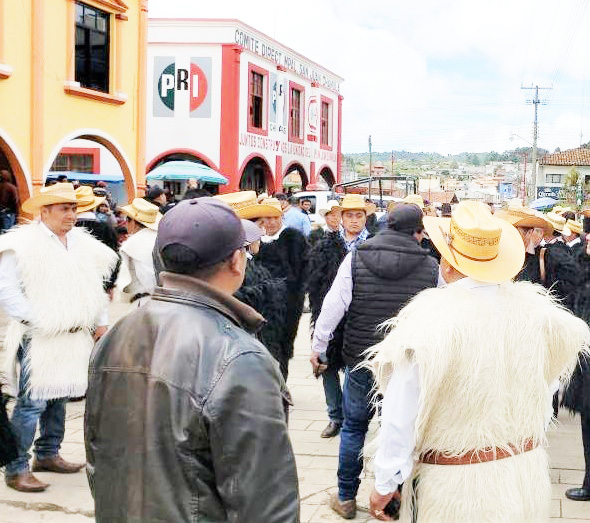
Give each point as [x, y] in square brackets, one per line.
[435, 75]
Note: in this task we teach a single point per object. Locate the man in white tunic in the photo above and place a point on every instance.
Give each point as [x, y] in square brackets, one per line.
[468, 372]
[137, 277]
[51, 287]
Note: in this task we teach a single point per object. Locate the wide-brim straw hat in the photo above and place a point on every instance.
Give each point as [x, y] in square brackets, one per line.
[556, 220]
[416, 199]
[50, 195]
[477, 243]
[331, 205]
[520, 216]
[558, 209]
[87, 200]
[245, 205]
[575, 227]
[143, 212]
[356, 202]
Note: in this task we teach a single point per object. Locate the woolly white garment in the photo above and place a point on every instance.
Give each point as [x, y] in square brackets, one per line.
[485, 367]
[137, 274]
[65, 290]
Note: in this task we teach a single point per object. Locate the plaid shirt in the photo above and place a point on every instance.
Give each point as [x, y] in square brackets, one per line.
[352, 245]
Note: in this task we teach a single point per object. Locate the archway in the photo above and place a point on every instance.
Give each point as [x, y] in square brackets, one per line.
[328, 176]
[11, 160]
[257, 176]
[97, 136]
[296, 174]
[188, 155]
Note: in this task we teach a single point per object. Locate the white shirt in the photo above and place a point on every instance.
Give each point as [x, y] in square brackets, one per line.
[267, 239]
[575, 241]
[394, 460]
[12, 298]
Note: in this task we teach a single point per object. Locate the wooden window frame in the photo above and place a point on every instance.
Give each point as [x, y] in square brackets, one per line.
[330, 131]
[292, 137]
[252, 68]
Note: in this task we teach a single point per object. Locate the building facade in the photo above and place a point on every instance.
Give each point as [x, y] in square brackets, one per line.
[71, 69]
[554, 169]
[224, 94]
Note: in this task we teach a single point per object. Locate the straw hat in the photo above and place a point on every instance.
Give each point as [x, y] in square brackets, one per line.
[556, 220]
[56, 193]
[143, 212]
[416, 199]
[246, 206]
[521, 216]
[272, 202]
[558, 209]
[87, 200]
[262, 196]
[476, 243]
[331, 205]
[356, 202]
[574, 226]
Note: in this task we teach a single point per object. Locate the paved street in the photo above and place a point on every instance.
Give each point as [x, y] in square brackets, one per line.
[68, 499]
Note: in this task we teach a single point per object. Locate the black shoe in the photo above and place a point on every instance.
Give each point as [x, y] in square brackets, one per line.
[331, 430]
[578, 494]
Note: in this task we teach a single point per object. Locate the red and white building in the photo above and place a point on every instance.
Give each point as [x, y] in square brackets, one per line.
[225, 94]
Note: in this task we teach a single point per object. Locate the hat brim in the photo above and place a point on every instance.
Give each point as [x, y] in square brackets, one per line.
[323, 212]
[529, 222]
[369, 208]
[33, 204]
[128, 211]
[97, 201]
[252, 232]
[502, 268]
[258, 210]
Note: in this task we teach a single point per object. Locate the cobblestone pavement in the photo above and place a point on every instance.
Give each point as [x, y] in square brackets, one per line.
[68, 499]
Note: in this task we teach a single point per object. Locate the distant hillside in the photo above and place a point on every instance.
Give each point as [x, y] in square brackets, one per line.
[515, 155]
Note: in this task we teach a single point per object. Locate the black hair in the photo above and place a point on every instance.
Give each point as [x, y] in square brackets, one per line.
[281, 196]
[181, 259]
[569, 215]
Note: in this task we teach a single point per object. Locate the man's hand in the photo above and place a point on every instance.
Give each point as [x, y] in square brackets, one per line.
[100, 332]
[377, 504]
[314, 359]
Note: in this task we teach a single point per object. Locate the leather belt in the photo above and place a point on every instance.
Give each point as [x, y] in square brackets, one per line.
[138, 296]
[433, 457]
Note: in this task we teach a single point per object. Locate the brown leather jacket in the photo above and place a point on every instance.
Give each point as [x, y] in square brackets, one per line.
[184, 415]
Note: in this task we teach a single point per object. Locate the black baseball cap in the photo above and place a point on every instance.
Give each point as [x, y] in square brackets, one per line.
[406, 218]
[208, 227]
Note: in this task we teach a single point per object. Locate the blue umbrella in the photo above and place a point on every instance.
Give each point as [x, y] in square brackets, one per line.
[542, 203]
[185, 170]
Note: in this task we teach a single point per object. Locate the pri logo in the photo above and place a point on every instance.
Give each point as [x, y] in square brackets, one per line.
[182, 86]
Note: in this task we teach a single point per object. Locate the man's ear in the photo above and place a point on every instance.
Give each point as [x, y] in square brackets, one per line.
[235, 262]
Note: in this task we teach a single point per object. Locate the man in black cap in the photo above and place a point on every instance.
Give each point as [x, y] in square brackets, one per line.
[184, 414]
[372, 285]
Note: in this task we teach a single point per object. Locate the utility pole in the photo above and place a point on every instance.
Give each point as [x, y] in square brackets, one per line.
[392, 162]
[536, 103]
[370, 158]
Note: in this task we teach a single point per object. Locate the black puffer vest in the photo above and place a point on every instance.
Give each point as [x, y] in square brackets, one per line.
[387, 271]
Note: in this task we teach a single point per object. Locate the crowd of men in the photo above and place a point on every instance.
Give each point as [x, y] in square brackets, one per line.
[457, 330]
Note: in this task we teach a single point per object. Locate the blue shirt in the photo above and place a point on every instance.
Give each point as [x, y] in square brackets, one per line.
[351, 245]
[295, 219]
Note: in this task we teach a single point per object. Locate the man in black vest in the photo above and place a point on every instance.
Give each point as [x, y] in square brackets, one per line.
[371, 286]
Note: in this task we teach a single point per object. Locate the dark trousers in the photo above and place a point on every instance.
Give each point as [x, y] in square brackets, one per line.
[358, 410]
[333, 393]
[27, 413]
[586, 441]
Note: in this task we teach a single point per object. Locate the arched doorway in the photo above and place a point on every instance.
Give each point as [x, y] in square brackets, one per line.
[97, 136]
[10, 161]
[295, 177]
[257, 176]
[327, 175]
[188, 155]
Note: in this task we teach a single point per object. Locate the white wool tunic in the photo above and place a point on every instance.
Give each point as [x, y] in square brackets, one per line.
[64, 292]
[485, 364]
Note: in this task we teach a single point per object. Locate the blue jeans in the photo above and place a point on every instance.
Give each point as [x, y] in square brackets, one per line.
[7, 220]
[51, 416]
[358, 411]
[333, 393]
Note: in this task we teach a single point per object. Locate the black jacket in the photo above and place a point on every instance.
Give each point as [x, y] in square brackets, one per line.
[184, 417]
[286, 258]
[325, 258]
[268, 296]
[387, 271]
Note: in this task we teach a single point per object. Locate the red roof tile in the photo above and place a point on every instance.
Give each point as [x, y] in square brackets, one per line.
[580, 156]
